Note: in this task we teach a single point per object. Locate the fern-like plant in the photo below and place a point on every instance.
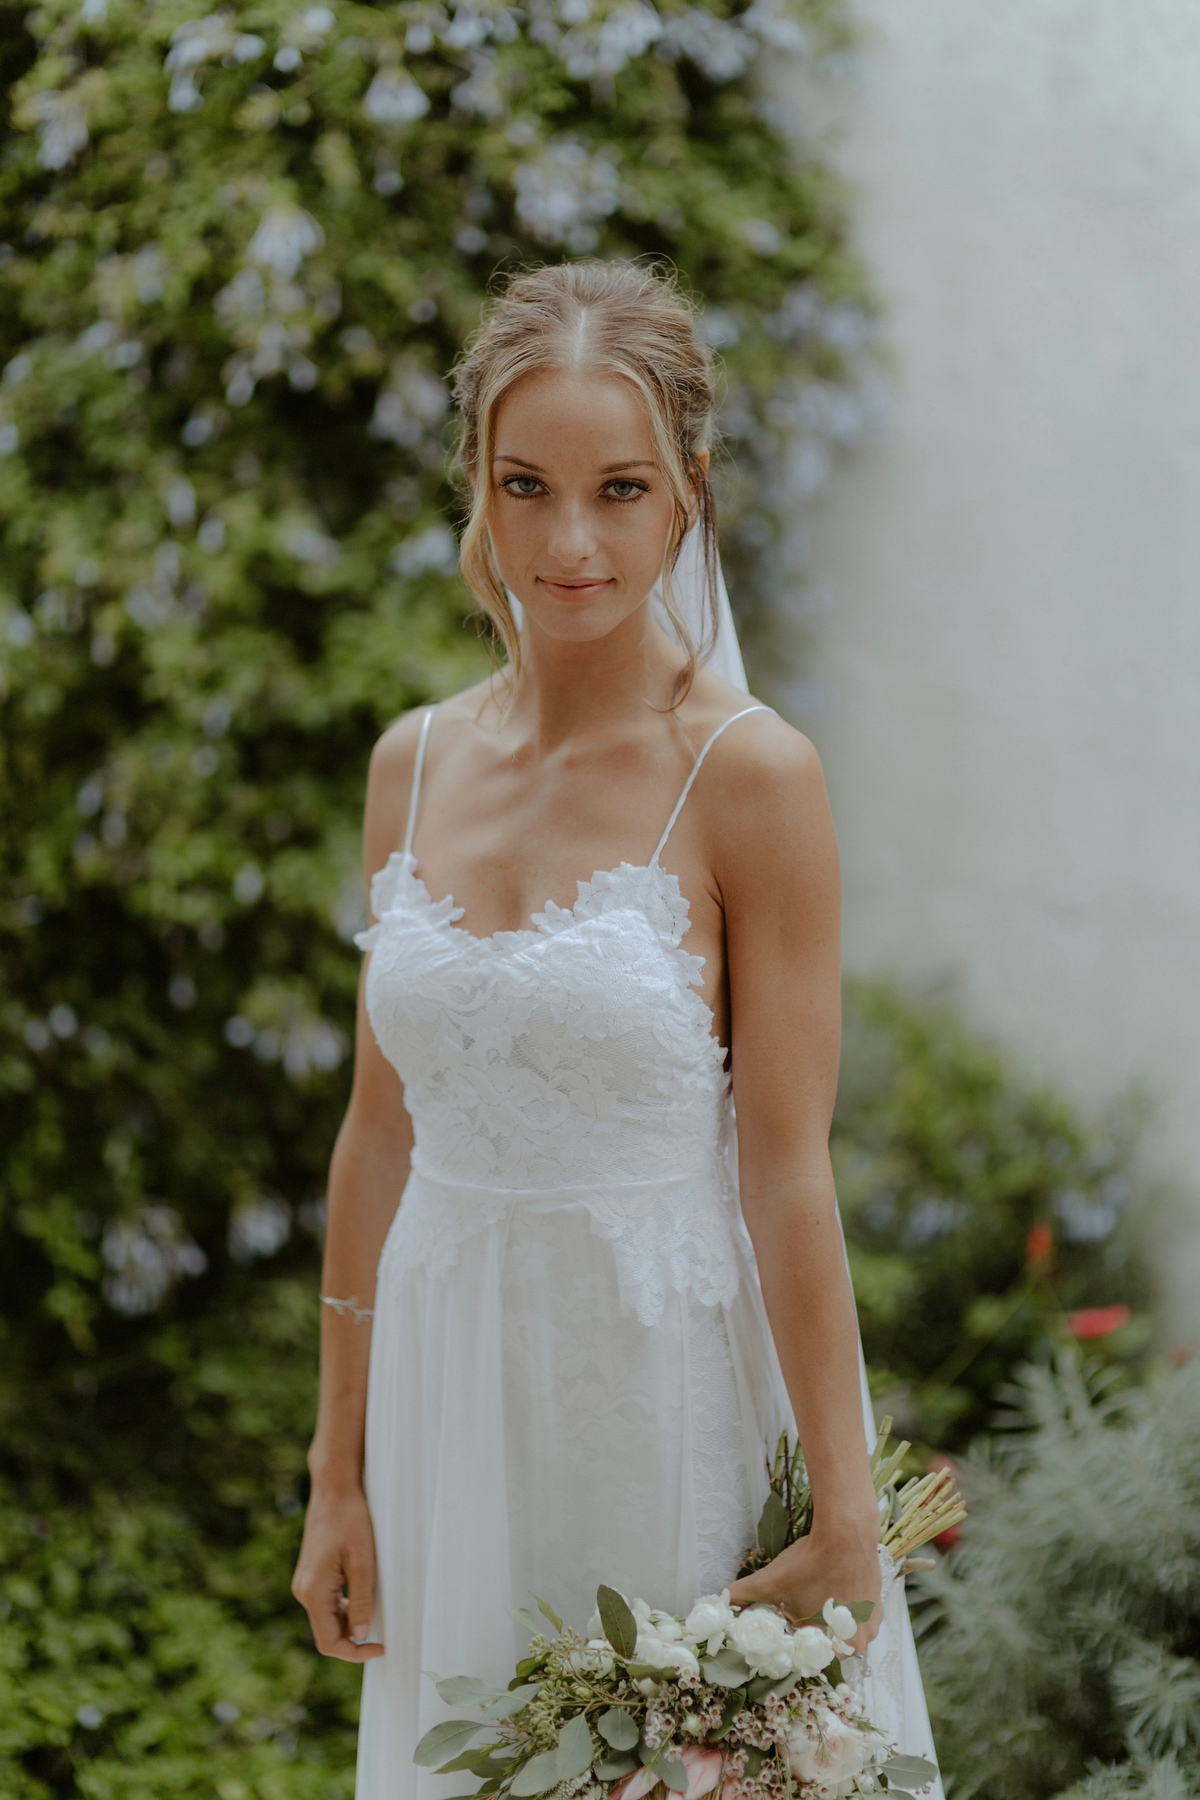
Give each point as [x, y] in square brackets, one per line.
[1062, 1637]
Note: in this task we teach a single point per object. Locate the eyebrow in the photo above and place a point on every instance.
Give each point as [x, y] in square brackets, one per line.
[611, 469]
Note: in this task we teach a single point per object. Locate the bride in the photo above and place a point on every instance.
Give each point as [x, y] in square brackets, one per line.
[567, 1310]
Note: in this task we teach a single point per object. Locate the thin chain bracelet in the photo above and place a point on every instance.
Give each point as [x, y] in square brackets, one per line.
[360, 1314]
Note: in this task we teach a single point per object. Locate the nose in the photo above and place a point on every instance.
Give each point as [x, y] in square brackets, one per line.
[572, 536]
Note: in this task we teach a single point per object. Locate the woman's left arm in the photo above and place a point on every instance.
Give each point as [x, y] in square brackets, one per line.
[776, 863]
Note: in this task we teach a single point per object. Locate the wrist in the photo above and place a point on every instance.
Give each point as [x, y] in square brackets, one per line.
[334, 1474]
[848, 1523]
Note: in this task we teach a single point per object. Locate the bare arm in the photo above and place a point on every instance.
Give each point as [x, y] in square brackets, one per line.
[778, 872]
[366, 1178]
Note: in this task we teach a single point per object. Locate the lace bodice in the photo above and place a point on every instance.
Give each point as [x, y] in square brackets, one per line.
[575, 1055]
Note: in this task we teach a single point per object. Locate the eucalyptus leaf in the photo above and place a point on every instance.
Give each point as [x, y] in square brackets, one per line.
[755, 1759]
[862, 1609]
[575, 1748]
[620, 1626]
[674, 1773]
[773, 1525]
[444, 1740]
[762, 1685]
[465, 1690]
[479, 1761]
[728, 1669]
[734, 1702]
[650, 1671]
[538, 1776]
[832, 1673]
[617, 1728]
[520, 1615]
[910, 1768]
[611, 1768]
[548, 1612]
[505, 1705]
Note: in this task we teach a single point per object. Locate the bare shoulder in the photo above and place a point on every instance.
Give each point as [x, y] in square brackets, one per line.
[393, 759]
[762, 798]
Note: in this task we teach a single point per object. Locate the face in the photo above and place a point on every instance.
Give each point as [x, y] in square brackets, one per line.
[581, 516]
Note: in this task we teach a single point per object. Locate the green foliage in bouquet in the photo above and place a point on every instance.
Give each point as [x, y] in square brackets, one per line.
[727, 1703]
[985, 1222]
[911, 1513]
[1061, 1646]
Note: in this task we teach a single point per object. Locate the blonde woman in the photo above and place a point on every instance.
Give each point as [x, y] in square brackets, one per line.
[566, 1311]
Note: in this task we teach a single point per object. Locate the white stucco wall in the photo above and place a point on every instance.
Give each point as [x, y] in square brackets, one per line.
[1010, 661]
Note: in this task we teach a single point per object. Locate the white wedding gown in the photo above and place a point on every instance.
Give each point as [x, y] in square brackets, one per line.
[572, 1378]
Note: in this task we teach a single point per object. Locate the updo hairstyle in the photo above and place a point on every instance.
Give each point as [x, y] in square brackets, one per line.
[593, 317]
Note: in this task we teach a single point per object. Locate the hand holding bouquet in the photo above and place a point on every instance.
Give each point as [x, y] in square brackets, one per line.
[733, 1704]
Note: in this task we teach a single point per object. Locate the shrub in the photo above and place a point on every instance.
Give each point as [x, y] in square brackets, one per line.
[982, 1216]
[242, 252]
[1062, 1637]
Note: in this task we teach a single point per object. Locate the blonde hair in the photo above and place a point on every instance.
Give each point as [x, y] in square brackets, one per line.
[596, 317]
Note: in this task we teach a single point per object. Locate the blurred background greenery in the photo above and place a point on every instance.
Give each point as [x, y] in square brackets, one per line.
[239, 254]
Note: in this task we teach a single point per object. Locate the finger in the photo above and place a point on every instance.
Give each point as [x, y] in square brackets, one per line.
[360, 1596]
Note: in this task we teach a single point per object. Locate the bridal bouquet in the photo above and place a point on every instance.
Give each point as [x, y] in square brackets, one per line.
[733, 1704]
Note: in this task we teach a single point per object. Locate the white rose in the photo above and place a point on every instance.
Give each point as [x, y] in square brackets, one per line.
[827, 1750]
[811, 1650]
[652, 1650]
[842, 1626]
[666, 1627]
[762, 1638]
[710, 1621]
[596, 1659]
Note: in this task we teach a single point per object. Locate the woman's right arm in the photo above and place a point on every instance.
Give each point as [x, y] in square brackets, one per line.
[366, 1178]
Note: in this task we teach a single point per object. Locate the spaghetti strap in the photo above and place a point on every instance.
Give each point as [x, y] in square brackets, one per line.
[418, 766]
[687, 786]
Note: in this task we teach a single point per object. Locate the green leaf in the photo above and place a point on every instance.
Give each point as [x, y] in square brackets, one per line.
[521, 1616]
[575, 1748]
[734, 1702]
[548, 1612]
[611, 1768]
[479, 1761]
[617, 1728]
[754, 1761]
[762, 1685]
[674, 1773]
[651, 1671]
[773, 1525]
[862, 1609]
[832, 1673]
[444, 1740]
[909, 1768]
[726, 1670]
[538, 1776]
[620, 1626]
[465, 1690]
[507, 1704]
[529, 1665]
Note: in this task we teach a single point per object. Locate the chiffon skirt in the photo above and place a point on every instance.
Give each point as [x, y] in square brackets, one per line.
[528, 1436]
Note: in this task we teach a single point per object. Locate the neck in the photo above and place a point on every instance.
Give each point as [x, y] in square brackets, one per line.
[572, 691]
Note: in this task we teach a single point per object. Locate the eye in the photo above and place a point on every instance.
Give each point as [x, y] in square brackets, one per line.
[622, 489]
[523, 487]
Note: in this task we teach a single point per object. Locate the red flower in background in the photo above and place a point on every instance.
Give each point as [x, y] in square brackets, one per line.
[1098, 1321]
[1039, 1245]
[945, 1540]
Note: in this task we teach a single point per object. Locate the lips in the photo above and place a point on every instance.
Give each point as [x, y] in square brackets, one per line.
[571, 591]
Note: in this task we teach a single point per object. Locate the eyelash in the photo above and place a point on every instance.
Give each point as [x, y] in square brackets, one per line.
[641, 487]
